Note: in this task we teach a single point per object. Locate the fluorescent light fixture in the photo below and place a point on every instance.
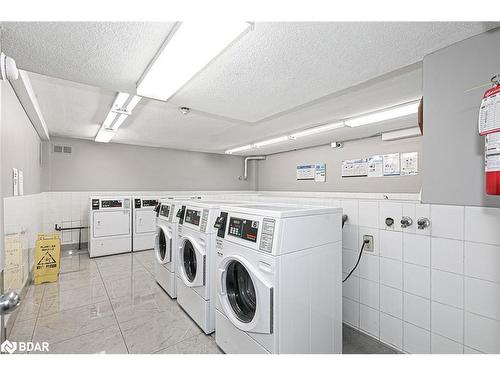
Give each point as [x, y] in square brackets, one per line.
[272, 141]
[133, 102]
[239, 149]
[386, 114]
[104, 135]
[109, 119]
[317, 129]
[190, 49]
[119, 122]
[401, 134]
[120, 100]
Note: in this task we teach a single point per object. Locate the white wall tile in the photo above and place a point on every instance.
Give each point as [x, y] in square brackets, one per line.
[391, 330]
[417, 310]
[350, 288]
[391, 273]
[417, 249]
[369, 320]
[481, 225]
[393, 210]
[482, 334]
[371, 232]
[369, 267]
[350, 238]
[447, 255]
[442, 345]
[447, 321]
[391, 301]
[350, 208]
[448, 288]
[349, 259]
[391, 244]
[416, 340]
[482, 261]
[482, 297]
[417, 280]
[447, 221]
[368, 214]
[423, 211]
[350, 312]
[369, 293]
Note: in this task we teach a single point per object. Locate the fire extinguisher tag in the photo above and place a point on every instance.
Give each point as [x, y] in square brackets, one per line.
[489, 113]
[492, 153]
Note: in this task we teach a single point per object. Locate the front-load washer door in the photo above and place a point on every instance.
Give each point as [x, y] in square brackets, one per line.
[191, 262]
[163, 245]
[247, 299]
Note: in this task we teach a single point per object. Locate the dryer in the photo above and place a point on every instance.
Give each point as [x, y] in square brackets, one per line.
[279, 279]
[144, 222]
[195, 260]
[166, 244]
[110, 225]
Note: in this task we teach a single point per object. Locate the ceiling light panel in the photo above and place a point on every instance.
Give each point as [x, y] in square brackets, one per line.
[317, 130]
[239, 149]
[190, 49]
[104, 135]
[272, 141]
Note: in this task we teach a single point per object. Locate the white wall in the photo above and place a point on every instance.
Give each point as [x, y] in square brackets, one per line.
[278, 172]
[116, 167]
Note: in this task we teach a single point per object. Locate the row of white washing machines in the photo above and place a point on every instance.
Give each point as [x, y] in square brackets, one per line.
[267, 278]
[121, 224]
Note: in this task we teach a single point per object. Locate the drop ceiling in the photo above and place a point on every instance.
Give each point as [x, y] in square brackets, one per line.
[278, 78]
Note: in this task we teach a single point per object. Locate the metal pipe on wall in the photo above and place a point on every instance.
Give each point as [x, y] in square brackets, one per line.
[245, 174]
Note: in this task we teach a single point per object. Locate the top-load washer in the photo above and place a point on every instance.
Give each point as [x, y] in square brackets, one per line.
[166, 243]
[279, 279]
[144, 223]
[195, 260]
[110, 225]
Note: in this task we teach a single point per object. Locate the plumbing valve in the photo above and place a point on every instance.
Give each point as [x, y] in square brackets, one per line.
[423, 223]
[406, 221]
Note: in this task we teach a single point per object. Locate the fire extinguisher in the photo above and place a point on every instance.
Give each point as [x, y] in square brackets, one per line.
[489, 126]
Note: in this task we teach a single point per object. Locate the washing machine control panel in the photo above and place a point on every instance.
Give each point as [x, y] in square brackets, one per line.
[111, 203]
[165, 210]
[149, 202]
[243, 228]
[192, 217]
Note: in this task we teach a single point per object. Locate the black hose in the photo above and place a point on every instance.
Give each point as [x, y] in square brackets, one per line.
[359, 258]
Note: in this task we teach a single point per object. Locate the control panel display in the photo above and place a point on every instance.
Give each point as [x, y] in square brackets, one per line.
[95, 204]
[149, 202]
[243, 228]
[111, 203]
[192, 217]
[165, 210]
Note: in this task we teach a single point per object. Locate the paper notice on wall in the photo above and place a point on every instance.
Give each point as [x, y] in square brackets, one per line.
[21, 183]
[409, 163]
[391, 165]
[376, 166]
[320, 175]
[306, 172]
[15, 182]
[489, 112]
[355, 168]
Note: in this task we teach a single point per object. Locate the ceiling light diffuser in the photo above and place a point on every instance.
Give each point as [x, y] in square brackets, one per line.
[190, 49]
[104, 135]
[272, 141]
[386, 114]
[239, 149]
[317, 130]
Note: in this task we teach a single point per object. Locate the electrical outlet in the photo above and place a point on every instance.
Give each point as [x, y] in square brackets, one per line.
[369, 245]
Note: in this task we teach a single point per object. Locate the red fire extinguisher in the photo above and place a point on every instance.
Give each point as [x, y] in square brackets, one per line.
[489, 126]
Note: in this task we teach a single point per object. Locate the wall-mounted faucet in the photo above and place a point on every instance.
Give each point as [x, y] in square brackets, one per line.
[406, 221]
[423, 223]
[389, 221]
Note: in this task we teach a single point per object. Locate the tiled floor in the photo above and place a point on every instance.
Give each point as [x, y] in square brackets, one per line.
[113, 305]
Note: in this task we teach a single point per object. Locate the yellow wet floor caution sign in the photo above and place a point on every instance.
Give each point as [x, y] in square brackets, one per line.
[47, 256]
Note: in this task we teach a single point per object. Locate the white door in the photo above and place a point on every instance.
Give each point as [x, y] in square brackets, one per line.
[163, 245]
[192, 262]
[246, 297]
[145, 221]
[111, 223]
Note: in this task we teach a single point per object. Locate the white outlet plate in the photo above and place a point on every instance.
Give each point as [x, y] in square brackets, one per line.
[369, 247]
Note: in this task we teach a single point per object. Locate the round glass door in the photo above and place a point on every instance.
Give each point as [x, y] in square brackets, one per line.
[240, 291]
[189, 260]
[162, 245]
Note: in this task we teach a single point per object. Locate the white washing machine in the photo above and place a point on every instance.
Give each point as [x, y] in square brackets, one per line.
[279, 279]
[166, 243]
[195, 261]
[144, 223]
[110, 225]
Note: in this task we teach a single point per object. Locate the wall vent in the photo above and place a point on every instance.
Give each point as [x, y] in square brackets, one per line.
[62, 149]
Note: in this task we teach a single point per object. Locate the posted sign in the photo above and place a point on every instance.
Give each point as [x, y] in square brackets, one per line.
[47, 256]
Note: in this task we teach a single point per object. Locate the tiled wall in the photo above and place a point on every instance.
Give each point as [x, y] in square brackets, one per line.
[435, 290]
